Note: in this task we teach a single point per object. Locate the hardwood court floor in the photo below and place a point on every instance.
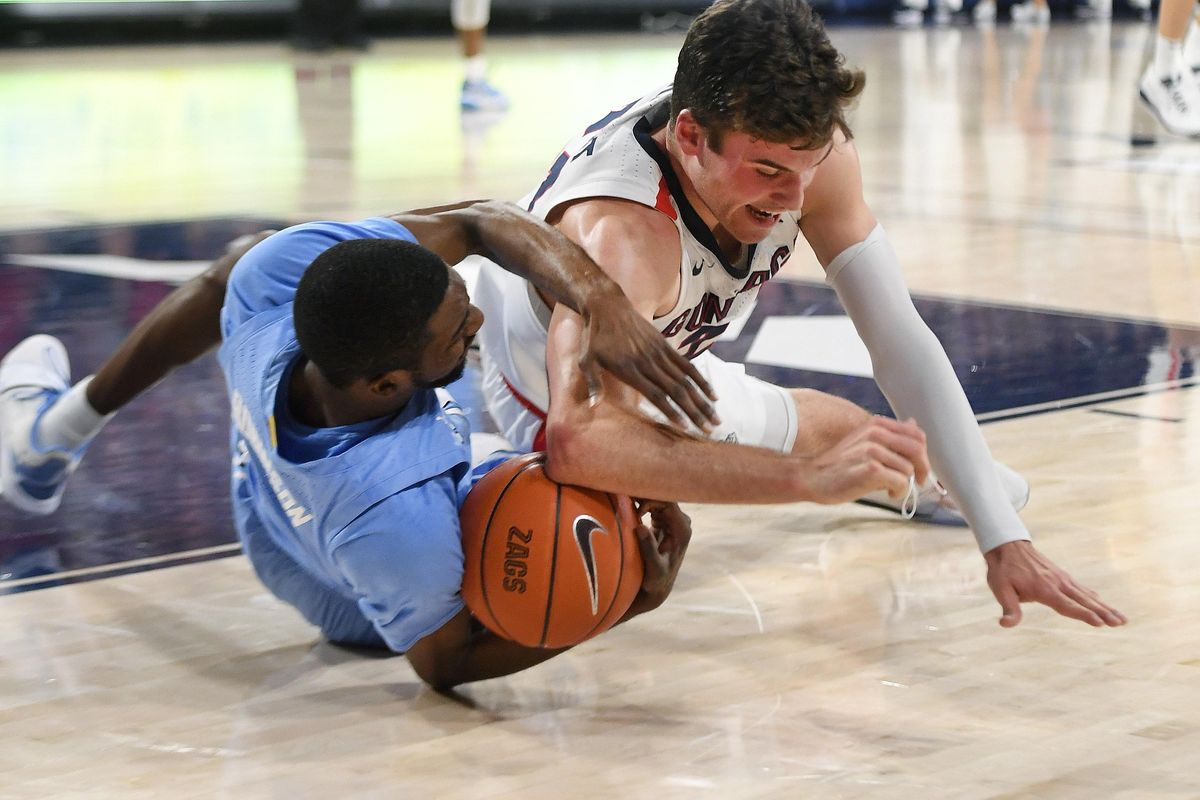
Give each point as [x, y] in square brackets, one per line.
[807, 652]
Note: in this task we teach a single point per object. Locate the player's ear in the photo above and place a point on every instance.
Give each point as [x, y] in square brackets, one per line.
[688, 133]
[390, 383]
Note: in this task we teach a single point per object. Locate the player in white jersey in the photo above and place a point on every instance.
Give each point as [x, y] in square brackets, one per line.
[618, 158]
[690, 200]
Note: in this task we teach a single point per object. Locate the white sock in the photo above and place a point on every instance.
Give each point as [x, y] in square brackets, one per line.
[476, 69]
[1168, 57]
[71, 421]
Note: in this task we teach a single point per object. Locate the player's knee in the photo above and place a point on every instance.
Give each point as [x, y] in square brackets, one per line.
[832, 416]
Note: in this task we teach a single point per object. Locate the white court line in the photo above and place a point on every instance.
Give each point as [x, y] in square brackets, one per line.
[1072, 402]
[120, 565]
[734, 612]
[110, 266]
[749, 599]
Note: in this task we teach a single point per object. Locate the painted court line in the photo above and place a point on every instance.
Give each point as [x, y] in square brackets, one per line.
[98, 571]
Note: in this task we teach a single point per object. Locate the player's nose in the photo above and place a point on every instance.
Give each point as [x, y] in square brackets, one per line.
[789, 193]
[474, 320]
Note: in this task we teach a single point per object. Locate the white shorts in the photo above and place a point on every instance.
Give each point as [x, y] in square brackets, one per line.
[752, 411]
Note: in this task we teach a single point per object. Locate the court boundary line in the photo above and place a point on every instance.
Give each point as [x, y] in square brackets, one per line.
[1087, 400]
[124, 567]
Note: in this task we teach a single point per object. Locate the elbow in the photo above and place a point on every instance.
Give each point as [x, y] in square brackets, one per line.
[441, 683]
[576, 444]
[563, 450]
[435, 673]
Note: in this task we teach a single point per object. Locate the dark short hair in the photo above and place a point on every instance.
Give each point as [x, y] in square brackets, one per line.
[766, 68]
[362, 307]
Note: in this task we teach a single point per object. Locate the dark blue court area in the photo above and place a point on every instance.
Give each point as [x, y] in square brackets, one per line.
[153, 488]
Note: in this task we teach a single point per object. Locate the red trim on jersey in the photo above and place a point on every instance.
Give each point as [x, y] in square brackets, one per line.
[539, 440]
[663, 202]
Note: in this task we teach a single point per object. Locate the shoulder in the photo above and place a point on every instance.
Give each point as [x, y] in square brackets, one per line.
[417, 523]
[612, 219]
[615, 161]
[835, 214]
[837, 179]
[638, 246]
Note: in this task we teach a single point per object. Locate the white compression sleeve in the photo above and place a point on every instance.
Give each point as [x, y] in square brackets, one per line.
[470, 15]
[915, 376]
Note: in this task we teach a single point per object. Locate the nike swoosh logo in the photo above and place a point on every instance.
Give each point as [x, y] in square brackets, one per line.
[584, 527]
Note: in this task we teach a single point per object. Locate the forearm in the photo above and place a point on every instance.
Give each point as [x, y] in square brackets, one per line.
[482, 655]
[920, 383]
[463, 651]
[178, 330]
[521, 244]
[608, 446]
[490, 656]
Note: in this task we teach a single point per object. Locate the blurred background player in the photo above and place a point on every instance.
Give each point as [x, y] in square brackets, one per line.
[1034, 13]
[470, 18]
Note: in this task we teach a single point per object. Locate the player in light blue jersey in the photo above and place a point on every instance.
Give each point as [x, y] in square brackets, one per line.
[349, 459]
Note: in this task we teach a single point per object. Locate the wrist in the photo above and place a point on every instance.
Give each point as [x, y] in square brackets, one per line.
[640, 605]
[801, 474]
[595, 293]
[1007, 550]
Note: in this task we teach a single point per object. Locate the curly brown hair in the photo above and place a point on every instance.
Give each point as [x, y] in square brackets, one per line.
[766, 68]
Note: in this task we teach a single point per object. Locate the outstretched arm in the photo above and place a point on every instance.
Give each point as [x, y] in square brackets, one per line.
[915, 375]
[609, 444]
[187, 323]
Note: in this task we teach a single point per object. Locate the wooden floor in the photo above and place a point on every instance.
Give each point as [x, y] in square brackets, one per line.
[807, 652]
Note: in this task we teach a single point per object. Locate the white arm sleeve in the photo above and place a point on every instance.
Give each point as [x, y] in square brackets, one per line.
[915, 376]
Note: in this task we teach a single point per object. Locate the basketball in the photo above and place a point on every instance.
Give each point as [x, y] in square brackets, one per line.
[547, 565]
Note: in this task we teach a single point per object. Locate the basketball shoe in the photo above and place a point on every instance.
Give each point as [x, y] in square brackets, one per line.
[1174, 99]
[935, 507]
[482, 96]
[32, 376]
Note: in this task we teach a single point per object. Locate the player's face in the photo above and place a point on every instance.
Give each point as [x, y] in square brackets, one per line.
[451, 330]
[751, 182]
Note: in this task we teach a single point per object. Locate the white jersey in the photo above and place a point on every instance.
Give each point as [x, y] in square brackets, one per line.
[617, 157]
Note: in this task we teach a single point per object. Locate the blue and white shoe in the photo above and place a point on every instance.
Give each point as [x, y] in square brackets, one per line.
[482, 96]
[32, 376]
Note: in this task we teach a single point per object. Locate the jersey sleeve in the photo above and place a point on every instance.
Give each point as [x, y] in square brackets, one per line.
[403, 560]
[269, 273]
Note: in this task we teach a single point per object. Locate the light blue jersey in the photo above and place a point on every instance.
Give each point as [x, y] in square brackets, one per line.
[355, 526]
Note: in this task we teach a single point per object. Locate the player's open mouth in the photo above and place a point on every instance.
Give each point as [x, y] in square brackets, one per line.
[762, 216]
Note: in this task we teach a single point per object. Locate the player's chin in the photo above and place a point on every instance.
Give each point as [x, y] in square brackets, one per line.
[447, 379]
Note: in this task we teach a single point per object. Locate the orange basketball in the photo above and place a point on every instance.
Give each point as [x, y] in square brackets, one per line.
[547, 565]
